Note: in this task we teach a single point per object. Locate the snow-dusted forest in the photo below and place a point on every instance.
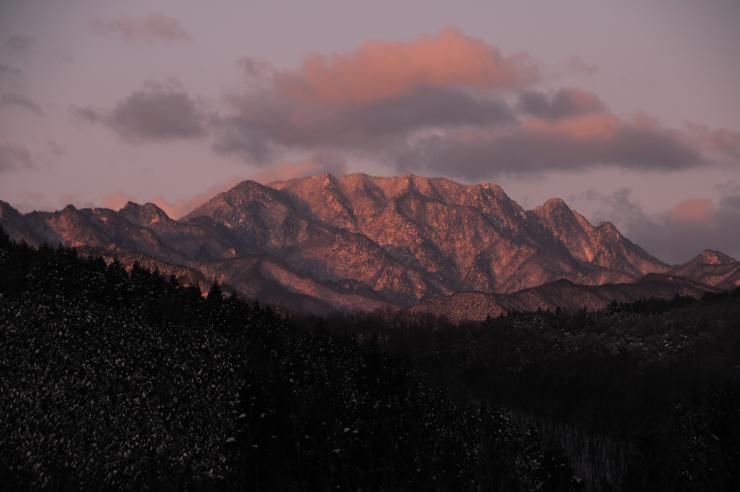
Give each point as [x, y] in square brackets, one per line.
[124, 379]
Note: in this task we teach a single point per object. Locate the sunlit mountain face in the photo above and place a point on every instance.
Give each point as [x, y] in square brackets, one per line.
[360, 242]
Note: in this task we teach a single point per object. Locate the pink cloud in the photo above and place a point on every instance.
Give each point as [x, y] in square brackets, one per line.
[380, 69]
[694, 210]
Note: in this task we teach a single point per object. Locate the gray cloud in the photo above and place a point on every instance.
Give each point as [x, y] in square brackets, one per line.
[18, 44]
[11, 86]
[329, 162]
[6, 71]
[257, 73]
[154, 27]
[246, 143]
[525, 150]
[578, 65]
[562, 104]
[10, 77]
[155, 112]
[676, 235]
[264, 123]
[21, 101]
[14, 157]
[89, 114]
[721, 140]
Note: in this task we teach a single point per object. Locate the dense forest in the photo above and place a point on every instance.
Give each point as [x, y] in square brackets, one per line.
[116, 378]
[641, 396]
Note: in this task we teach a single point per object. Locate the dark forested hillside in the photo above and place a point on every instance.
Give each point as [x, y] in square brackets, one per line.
[642, 396]
[127, 380]
[115, 378]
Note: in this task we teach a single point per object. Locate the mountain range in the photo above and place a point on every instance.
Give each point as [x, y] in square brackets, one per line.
[322, 243]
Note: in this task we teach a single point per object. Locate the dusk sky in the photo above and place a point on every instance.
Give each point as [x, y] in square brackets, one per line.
[628, 110]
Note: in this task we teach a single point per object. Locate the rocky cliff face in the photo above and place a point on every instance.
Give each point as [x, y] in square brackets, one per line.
[357, 241]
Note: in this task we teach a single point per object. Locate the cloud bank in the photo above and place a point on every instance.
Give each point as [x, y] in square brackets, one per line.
[536, 146]
[447, 104]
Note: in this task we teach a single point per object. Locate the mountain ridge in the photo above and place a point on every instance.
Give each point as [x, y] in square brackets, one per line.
[560, 294]
[367, 242]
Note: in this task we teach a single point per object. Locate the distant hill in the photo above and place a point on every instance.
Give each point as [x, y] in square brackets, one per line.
[561, 294]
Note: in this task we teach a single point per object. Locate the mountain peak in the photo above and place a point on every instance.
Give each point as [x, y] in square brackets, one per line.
[555, 209]
[69, 210]
[149, 213]
[712, 257]
[555, 204]
[148, 206]
[247, 184]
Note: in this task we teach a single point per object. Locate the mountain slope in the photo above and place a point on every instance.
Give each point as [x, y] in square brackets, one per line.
[602, 245]
[361, 242]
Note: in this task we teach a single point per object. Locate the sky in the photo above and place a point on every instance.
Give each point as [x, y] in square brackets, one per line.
[627, 110]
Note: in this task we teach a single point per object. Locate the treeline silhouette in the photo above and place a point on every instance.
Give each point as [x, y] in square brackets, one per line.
[116, 379]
